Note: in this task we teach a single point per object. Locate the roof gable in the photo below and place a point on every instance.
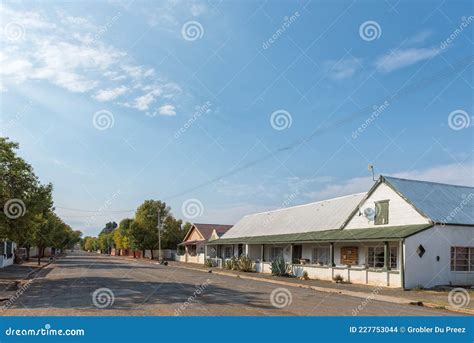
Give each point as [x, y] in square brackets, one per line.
[442, 203]
[205, 230]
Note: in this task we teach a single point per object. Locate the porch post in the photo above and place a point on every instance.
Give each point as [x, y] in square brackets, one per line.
[246, 250]
[262, 252]
[291, 253]
[331, 254]
[205, 252]
[186, 253]
[401, 262]
[386, 251]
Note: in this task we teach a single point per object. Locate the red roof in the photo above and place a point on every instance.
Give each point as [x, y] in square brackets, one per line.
[206, 229]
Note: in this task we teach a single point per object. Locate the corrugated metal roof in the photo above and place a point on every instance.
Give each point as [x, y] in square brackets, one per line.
[442, 203]
[317, 216]
[366, 234]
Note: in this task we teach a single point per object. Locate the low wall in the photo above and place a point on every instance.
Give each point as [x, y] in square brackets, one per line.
[352, 275]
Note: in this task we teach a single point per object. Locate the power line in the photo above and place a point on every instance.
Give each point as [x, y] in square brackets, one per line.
[404, 91]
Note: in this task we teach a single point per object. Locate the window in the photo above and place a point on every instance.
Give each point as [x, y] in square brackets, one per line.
[275, 253]
[462, 259]
[192, 250]
[9, 249]
[381, 212]
[228, 252]
[375, 257]
[321, 255]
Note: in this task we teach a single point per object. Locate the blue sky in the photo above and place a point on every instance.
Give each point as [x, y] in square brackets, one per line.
[116, 102]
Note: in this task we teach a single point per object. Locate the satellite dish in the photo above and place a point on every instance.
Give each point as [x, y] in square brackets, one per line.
[369, 211]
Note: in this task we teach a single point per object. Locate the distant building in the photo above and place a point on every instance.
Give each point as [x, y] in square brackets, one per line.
[193, 246]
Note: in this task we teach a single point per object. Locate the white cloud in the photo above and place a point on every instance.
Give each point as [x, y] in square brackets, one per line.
[167, 110]
[110, 94]
[404, 57]
[343, 69]
[68, 51]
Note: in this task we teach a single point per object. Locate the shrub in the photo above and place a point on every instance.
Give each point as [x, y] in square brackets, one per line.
[228, 264]
[338, 278]
[245, 264]
[279, 267]
[305, 276]
[210, 263]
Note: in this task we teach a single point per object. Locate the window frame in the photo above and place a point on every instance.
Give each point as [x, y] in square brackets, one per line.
[319, 249]
[392, 257]
[469, 259]
[274, 256]
[385, 219]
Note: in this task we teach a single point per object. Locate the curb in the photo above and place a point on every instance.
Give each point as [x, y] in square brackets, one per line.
[385, 298]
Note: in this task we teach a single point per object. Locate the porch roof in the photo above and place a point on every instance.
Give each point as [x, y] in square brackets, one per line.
[366, 234]
[191, 242]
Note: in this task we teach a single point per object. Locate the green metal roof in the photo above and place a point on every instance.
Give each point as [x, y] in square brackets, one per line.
[377, 233]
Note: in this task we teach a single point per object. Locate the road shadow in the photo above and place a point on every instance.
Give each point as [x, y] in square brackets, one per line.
[127, 294]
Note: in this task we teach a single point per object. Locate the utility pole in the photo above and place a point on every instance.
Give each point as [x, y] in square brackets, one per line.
[159, 235]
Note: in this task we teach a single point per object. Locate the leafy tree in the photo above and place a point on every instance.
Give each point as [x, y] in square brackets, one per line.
[145, 230]
[109, 227]
[173, 232]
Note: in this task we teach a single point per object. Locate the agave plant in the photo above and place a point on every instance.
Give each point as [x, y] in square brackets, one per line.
[279, 267]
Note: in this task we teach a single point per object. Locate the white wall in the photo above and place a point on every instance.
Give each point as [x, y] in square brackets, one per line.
[400, 211]
[437, 241]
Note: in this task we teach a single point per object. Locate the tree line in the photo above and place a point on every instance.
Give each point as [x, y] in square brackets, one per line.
[141, 232]
[28, 216]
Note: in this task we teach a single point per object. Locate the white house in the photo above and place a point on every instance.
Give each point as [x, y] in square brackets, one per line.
[401, 233]
[7, 253]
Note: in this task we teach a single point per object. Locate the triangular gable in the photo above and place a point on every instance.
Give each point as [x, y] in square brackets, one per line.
[402, 211]
[193, 234]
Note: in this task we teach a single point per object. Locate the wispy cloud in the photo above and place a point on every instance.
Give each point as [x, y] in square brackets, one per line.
[343, 69]
[402, 58]
[68, 52]
[109, 94]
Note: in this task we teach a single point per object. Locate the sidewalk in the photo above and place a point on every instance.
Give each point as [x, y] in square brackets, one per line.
[429, 298]
[13, 276]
